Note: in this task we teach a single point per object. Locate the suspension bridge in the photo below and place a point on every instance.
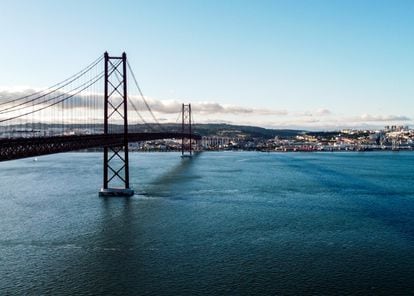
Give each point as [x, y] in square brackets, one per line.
[96, 107]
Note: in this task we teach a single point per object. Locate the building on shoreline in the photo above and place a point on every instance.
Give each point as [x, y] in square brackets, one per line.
[390, 138]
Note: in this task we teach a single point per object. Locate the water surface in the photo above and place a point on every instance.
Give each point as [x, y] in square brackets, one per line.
[228, 223]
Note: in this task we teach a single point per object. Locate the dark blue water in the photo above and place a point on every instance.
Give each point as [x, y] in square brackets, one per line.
[219, 224]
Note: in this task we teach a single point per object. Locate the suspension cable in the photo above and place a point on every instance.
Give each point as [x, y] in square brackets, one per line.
[70, 79]
[53, 104]
[135, 107]
[143, 98]
[48, 99]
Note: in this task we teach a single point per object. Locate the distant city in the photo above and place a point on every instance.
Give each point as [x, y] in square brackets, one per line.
[219, 137]
[389, 138]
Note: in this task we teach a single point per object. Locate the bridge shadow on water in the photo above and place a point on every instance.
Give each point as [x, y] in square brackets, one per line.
[163, 185]
[136, 242]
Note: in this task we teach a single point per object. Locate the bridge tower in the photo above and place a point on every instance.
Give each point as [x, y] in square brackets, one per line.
[116, 160]
[186, 148]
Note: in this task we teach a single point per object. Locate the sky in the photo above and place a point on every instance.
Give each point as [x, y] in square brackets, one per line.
[309, 64]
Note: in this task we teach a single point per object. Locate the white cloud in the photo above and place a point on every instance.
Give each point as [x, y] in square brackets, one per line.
[323, 112]
[207, 107]
[318, 112]
[41, 100]
[381, 118]
[210, 111]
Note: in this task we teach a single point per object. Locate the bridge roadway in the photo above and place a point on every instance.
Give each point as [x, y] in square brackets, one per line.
[29, 147]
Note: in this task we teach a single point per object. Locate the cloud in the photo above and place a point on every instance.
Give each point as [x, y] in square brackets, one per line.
[219, 121]
[164, 110]
[380, 118]
[323, 112]
[207, 107]
[210, 111]
[159, 106]
[41, 100]
[318, 112]
[299, 121]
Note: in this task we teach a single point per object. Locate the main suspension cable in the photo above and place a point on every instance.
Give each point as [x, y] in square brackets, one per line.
[65, 82]
[53, 104]
[143, 98]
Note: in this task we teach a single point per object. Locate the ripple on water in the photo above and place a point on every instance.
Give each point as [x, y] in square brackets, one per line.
[219, 224]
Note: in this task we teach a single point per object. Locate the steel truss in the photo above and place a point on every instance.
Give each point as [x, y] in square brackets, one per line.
[186, 147]
[11, 149]
[116, 159]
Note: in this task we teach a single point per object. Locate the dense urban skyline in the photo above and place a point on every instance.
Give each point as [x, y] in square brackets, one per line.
[307, 64]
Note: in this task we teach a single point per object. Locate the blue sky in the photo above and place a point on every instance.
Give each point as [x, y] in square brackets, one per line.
[313, 64]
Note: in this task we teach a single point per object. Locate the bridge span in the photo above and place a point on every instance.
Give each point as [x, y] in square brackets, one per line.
[11, 149]
[98, 98]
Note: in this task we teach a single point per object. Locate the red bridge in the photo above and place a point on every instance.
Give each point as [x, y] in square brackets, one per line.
[89, 109]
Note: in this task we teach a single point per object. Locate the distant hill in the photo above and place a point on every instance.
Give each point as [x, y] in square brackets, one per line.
[207, 129]
[229, 130]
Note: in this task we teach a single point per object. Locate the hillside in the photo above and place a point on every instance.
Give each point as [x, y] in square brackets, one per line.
[210, 129]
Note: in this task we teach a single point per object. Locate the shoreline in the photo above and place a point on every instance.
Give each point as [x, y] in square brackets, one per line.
[262, 151]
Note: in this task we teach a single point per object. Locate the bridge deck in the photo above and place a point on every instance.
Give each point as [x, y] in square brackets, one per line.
[28, 147]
